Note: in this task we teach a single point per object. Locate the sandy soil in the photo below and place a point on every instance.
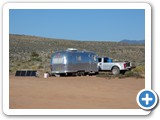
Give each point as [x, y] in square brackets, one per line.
[74, 92]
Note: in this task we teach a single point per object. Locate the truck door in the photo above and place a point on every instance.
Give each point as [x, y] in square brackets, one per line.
[105, 64]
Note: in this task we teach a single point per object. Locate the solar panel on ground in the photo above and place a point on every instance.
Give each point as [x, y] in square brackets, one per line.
[33, 73]
[26, 73]
[23, 73]
[18, 73]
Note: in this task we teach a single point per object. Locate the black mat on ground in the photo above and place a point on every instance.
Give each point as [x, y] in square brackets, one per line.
[25, 73]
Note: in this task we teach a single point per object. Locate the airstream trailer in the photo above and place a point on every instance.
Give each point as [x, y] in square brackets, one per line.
[74, 62]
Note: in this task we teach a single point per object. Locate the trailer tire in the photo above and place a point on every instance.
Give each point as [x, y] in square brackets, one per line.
[57, 75]
[78, 73]
[82, 73]
[115, 70]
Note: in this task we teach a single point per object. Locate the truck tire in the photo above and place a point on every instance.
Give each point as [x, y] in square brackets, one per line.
[115, 70]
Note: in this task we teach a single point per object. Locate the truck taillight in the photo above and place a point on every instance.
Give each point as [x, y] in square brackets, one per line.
[125, 65]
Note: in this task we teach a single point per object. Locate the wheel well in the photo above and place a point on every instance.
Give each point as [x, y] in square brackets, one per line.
[115, 66]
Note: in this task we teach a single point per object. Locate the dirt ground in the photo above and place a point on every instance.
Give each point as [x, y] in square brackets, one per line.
[88, 92]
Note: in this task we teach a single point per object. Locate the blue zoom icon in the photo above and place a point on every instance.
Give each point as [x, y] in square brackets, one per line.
[147, 99]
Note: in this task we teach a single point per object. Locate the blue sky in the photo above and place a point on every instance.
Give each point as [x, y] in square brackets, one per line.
[78, 24]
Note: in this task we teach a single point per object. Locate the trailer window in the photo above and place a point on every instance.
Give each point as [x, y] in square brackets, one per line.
[79, 58]
[57, 60]
[94, 57]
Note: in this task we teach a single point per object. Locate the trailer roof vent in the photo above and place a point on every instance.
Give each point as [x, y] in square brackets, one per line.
[72, 49]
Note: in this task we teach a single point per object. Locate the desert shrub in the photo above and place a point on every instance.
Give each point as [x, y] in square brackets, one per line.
[11, 70]
[48, 56]
[40, 67]
[132, 74]
[36, 59]
[105, 75]
[24, 66]
[129, 74]
[120, 76]
[34, 54]
[18, 64]
[34, 67]
[139, 69]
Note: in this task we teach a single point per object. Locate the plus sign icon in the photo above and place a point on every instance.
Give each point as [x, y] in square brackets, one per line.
[147, 99]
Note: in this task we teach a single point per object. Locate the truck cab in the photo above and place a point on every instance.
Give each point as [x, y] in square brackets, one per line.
[107, 64]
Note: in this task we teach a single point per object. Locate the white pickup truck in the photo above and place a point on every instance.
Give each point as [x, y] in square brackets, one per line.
[106, 64]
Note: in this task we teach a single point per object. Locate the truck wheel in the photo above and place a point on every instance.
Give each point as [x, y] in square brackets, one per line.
[115, 70]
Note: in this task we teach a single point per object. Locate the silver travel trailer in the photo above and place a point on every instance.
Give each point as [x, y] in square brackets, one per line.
[74, 62]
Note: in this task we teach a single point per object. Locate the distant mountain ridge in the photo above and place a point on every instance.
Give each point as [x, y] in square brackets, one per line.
[133, 41]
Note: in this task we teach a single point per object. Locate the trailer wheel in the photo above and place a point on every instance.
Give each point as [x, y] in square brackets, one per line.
[57, 75]
[78, 73]
[82, 73]
[115, 70]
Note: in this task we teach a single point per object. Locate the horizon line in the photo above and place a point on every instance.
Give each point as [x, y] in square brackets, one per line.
[74, 39]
